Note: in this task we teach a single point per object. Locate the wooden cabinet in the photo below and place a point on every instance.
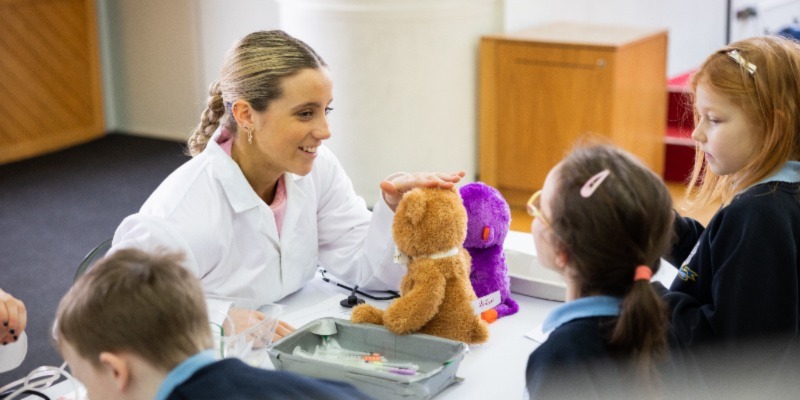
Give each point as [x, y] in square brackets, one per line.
[545, 87]
[50, 84]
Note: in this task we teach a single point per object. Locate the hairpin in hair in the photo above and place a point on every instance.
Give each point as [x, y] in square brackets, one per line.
[734, 54]
[591, 185]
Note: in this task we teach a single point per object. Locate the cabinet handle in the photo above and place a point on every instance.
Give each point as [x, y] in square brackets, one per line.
[600, 63]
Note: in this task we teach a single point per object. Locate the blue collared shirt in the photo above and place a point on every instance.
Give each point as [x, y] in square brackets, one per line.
[790, 172]
[592, 306]
[183, 372]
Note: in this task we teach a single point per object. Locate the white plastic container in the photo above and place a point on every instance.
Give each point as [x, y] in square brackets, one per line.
[527, 275]
[530, 278]
[249, 340]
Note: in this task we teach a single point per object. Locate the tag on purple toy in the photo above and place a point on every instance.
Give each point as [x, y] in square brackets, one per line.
[486, 302]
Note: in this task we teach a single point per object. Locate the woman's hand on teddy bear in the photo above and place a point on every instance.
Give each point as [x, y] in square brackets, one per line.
[395, 185]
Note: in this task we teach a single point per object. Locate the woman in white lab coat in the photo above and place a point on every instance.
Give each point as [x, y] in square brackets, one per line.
[263, 202]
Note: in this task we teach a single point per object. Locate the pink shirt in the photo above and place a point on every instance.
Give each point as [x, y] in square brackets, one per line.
[278, 205]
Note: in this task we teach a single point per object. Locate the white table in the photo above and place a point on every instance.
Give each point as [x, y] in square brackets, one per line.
[493, 370]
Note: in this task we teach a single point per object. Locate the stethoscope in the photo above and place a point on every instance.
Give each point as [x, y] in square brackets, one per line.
[352, 300]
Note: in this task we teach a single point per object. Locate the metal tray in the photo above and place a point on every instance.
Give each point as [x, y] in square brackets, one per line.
[438, 359]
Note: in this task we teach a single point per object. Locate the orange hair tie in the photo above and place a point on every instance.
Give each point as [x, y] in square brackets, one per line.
[643, 273]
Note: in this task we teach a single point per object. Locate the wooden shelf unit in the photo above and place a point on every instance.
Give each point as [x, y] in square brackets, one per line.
[50, 82]
[543, 88]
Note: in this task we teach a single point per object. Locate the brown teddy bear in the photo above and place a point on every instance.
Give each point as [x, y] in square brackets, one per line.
[429, 227]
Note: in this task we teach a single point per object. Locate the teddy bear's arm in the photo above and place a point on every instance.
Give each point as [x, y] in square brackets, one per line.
[367, 314]
[416, 307]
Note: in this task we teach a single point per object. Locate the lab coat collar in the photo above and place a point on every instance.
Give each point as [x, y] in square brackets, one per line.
[239, 192]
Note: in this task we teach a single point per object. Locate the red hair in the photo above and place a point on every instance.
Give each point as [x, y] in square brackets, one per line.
[770, 100]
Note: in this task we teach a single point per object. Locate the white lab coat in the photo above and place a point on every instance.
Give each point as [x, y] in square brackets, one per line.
[207, 209]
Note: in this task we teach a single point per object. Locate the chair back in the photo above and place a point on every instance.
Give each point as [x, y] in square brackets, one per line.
[99, 251]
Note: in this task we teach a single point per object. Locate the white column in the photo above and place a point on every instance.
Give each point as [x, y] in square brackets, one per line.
[405, 80]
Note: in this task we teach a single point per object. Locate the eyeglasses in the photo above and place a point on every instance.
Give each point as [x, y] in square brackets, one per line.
[533, 208]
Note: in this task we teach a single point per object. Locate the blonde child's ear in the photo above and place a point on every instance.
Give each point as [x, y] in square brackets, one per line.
[117, 366]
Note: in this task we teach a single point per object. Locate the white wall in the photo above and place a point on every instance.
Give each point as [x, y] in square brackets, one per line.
[770, 17]
[160, 56]
[150, 55]
[222, 23]
[405, 81]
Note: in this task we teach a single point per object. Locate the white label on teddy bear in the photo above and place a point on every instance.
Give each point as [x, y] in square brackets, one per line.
[486, 302]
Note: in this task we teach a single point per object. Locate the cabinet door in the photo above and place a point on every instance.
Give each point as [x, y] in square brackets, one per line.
[50, 86]
[547, 96]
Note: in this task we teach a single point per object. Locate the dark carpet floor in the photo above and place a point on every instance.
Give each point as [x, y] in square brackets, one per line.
[57, 207]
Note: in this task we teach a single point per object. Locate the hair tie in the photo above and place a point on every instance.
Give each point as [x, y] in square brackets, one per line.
[643, 273]
[594, 182]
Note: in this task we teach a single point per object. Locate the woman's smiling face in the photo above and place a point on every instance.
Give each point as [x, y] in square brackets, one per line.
[293, 126]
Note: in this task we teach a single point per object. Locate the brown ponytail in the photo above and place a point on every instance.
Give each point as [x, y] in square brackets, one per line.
[623, 223]
[641, 327]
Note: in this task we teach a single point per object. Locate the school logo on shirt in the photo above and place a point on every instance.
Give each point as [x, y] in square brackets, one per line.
[686, 273]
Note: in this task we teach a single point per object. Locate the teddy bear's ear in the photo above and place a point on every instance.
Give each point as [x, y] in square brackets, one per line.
[416, 206]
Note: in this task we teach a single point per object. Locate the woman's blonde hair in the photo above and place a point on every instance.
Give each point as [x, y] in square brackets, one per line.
[770, 99]
[252, 71]
[144, 304]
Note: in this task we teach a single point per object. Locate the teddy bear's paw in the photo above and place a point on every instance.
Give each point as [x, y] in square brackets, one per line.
[489, 315]
[367, 314]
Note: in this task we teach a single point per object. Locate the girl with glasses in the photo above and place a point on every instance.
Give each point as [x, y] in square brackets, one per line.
[602, 222]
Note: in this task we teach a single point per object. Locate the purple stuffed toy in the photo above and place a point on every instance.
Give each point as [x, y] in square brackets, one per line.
[488, 221]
